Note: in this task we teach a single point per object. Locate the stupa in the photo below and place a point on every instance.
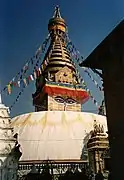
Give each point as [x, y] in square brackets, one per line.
[57, 131]
[9, 147]
[97, 145]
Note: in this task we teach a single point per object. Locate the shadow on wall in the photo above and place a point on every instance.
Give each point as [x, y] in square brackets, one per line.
[84, 154]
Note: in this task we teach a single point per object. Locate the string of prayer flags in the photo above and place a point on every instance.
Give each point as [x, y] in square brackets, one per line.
[89, 92]
[93, 80]
[24, 81]
[26, 67]
[18, 96]
[73, 50]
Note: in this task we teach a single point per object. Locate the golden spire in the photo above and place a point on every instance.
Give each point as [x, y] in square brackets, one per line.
[57, 22]
[60, 56]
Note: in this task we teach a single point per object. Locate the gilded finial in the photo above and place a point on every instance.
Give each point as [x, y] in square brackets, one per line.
[57, 12]
[57, 22]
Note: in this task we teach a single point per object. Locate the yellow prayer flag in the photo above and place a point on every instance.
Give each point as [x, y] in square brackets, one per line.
[9, 89]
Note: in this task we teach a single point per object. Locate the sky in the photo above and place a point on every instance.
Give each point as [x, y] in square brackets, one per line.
[23, 27]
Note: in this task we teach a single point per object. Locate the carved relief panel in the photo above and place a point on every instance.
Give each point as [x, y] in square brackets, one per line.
[65, 75]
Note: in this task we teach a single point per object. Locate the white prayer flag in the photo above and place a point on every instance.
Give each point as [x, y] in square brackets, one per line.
[31, 76]
[18, 83]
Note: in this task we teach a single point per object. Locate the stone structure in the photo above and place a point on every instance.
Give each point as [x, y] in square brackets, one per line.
[9, 147]
[97, 144]
[109, 57]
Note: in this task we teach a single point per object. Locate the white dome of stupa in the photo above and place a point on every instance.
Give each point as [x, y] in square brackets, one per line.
[54, 135]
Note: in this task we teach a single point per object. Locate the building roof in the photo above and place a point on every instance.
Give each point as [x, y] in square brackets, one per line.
[106, 49]
[54, 135]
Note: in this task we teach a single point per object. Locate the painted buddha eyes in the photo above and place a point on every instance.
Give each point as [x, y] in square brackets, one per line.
[59, 99]
[70, 101]
[62, 100]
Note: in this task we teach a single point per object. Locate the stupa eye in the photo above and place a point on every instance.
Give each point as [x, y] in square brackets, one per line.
[70, 101]
[59, 99]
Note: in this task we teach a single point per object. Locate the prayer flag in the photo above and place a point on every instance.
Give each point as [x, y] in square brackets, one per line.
[9, 88]
[35, 75]
[25, 82]
[18, 83]
[31, 76]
